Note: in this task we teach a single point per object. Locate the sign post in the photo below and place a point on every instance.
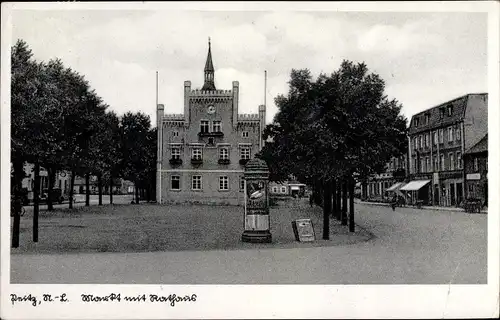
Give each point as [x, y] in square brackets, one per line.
[256, 221]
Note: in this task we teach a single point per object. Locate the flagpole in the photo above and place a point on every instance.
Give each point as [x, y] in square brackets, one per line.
[265, 86]
[160, 147]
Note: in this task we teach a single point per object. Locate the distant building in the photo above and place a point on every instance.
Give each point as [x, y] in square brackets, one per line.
[438, 138]
[202, 152]
[377, 185]
[62, 180]
[290, 188]
[120, 186]
[476, 171]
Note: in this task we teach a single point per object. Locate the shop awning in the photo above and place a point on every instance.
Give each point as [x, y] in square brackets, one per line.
[415, 185]
[396, 186]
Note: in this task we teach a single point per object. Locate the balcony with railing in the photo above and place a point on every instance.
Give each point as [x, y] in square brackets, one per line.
[175, 161]
[219, 134]
[224, 161]
[196, 161]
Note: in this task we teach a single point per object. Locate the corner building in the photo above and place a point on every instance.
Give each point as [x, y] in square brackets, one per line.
[202, 152]
[438, 139]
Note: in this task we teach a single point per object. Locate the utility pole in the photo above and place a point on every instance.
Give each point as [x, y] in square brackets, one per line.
[36, 201]
[327, 208]
[351, 204]
[344, 201]
[265, 86]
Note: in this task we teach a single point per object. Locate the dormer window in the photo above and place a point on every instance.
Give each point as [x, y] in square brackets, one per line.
[416, 122]
[427, 118]
[441, 113]
[450, 110]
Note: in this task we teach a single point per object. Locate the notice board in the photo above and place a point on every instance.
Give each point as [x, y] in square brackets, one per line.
[303, 230]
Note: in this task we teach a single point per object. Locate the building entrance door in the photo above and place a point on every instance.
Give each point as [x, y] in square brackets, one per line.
[459, 193]
[444, 196]
[486, 193]
[436, 195]
[452, 193]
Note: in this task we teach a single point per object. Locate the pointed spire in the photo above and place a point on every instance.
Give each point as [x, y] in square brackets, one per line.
[209, 70]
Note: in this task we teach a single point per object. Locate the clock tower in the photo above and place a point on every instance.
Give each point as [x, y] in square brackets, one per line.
[203, 152]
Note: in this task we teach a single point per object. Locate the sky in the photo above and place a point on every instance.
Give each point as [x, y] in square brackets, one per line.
[424, 58]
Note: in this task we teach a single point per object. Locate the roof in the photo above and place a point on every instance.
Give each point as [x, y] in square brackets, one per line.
[209, 65]
[295, 182]
[459, 106]
[256, 164]
[209, 84]
[481, 146]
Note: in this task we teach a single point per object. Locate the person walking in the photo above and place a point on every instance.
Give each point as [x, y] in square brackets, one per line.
[394, 203]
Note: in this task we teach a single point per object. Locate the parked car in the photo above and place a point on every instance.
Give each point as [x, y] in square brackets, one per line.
[56, 195]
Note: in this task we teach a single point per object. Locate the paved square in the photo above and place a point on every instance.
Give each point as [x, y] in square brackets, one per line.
[410, 246]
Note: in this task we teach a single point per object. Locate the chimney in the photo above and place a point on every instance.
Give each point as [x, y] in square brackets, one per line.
[236, 94]
[187, 92]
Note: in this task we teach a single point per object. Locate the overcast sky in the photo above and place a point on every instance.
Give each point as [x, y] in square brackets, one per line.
[424, 58]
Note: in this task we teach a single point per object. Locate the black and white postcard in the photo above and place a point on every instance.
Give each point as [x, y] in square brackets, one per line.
[250, 160]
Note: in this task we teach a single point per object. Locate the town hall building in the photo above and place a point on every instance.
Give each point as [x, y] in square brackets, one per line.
[202, 153]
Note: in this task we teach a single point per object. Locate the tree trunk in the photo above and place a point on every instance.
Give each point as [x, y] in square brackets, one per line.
[87, 189]
[344, 203]
[319, 193]
[71, 189]
[136, 189]
[111, 188]
[339, 198]
[36, 201]
[327, 208]
[51, 174]
[365, 191]
[334, 198]
[351, 204]
[99, 187]
[16, 202]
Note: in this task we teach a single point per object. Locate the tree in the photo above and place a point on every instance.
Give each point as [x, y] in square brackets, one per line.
[369, 125]
[26, 95]
[333, 128]
[135, 129]
[54, 116]
[105, 152]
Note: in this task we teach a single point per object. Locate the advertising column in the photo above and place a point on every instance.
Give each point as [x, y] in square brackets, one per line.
[256, 209]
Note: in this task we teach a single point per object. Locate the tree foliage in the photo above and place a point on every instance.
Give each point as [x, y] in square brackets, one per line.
[333, 127]
[59, 121]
